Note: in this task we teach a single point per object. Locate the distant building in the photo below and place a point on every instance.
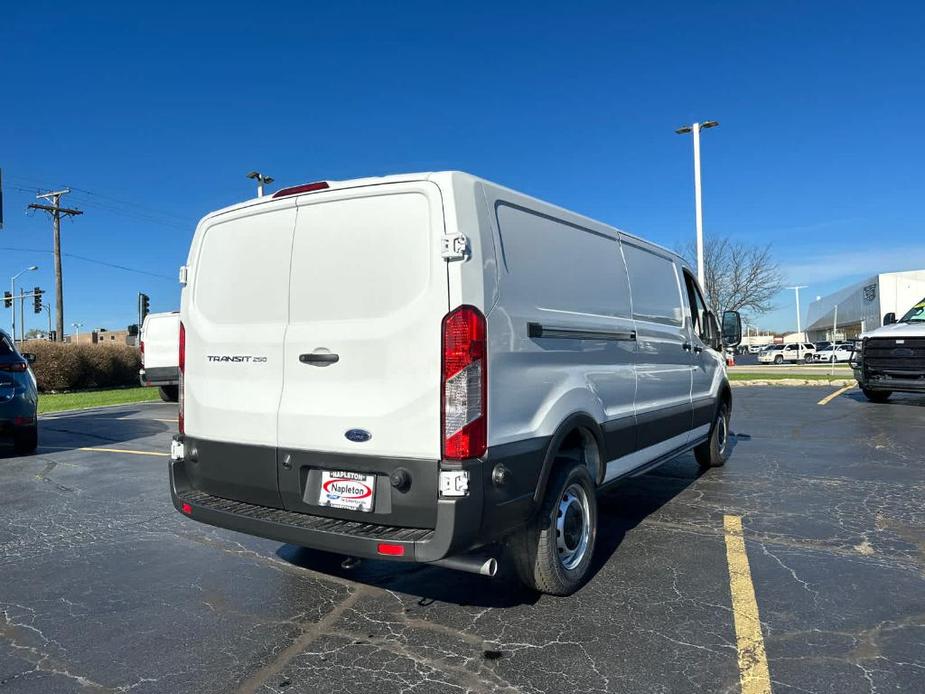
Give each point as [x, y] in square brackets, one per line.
[101, 336]
[862, 305]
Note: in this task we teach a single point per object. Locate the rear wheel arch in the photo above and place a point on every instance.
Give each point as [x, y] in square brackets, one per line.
[579, 437]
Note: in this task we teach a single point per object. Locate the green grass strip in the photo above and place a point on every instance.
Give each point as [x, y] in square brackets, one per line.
[59, 402]
[761, 376]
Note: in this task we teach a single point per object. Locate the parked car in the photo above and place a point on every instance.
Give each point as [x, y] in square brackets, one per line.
[755, 349]
[891, 358]
[408, 383]
[834, 353]
[159, 343]
[19, 398]
[792, 352]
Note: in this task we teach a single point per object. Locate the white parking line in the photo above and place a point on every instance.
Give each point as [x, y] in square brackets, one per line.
[122, 450]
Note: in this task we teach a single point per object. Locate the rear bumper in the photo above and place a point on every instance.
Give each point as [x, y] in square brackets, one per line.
[160, 376]
[457, 527]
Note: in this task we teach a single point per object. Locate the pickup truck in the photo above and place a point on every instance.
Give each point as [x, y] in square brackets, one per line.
[891, 359]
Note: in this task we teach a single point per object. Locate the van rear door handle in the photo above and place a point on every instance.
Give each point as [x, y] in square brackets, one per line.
[698, 350]
[686, 346]
[319, 358]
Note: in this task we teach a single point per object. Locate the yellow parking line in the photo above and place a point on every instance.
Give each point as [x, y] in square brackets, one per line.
[753, 661]
[828, 398]
[122, 450]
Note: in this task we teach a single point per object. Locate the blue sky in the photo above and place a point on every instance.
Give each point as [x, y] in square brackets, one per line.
[155, 114]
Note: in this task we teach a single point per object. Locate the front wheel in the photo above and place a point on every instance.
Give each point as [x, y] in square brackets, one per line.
[553, 553]
[778, 359]
[714, 452]
[876, 395]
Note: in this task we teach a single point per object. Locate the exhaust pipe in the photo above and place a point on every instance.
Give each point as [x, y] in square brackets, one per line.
[471, 563]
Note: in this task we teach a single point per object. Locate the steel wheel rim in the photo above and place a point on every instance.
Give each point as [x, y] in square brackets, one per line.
[722, 433]
[573, 526]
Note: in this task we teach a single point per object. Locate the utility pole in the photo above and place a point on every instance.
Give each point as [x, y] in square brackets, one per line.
[22, 316]
[56, 211]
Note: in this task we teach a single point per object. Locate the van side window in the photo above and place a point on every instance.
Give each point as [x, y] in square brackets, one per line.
[654, 286]
[698, 307]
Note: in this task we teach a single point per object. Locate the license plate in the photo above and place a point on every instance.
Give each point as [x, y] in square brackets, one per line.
[349, 490]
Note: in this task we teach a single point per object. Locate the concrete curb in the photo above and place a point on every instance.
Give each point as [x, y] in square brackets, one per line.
[836, 383]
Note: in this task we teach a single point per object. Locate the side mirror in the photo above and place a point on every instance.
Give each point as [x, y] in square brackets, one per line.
[732, 328]
[29, 357]
[889, 318]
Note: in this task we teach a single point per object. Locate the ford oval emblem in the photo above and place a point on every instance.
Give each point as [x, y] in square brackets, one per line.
[358, 435]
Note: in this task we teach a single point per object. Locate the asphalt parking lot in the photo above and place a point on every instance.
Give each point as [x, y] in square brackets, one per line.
[104, 587]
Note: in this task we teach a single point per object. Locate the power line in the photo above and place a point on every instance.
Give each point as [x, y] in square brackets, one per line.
[89, 260]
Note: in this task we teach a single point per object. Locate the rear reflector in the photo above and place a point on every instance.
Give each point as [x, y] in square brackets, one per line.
[391, 550]
[187, 509]
[464, 386]
[296, 190]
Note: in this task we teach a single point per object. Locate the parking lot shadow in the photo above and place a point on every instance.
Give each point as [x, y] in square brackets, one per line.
[897, 399]
[620, 509]
[71, 431]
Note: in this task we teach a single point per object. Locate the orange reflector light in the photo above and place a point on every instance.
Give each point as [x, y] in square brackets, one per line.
[187, 509]
[391, 550]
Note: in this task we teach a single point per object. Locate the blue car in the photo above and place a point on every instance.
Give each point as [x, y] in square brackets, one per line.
[19, 397]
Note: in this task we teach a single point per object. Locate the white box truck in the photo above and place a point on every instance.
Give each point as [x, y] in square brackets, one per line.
[429, 367]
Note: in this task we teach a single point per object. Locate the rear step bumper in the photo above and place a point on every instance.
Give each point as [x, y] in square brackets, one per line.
[456, 531]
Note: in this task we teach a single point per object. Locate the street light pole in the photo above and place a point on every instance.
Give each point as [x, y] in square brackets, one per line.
[77, 329]
[797, 294]
[261, 181]
[694, 129]
[31, 268]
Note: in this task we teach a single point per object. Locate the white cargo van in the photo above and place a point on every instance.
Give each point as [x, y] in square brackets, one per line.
[159, 344]
[418, 367]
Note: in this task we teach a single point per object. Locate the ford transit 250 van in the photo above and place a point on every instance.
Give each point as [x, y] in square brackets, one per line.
[418, 367]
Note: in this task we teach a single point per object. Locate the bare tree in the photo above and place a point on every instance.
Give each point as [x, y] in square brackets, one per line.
[738, 276]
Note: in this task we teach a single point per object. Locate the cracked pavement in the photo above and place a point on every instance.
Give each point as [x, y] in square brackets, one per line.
[105, 588]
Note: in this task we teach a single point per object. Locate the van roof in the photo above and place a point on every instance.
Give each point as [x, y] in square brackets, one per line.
[432, 176]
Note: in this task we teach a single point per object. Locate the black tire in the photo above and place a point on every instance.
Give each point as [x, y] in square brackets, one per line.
[26, 440]
[877, 395]
[778, 359]
[170, 393]
[714, 452]
[537, 549]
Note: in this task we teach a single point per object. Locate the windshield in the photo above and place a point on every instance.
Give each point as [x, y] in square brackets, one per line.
[916, 314]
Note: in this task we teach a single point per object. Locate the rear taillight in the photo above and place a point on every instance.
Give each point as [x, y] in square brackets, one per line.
[182, 364]
[16, 366]
[464, 387]
[141, 348]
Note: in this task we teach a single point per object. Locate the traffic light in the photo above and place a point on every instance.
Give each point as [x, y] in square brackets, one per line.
[37, 299]
[144, 303]
[7, 299]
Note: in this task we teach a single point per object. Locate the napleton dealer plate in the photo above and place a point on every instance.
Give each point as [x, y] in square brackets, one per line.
[349, 490]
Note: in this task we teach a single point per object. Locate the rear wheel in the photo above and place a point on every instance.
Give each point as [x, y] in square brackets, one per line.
[170, 393]
[26, 440]
[714, 452]
[553, 553]
[877, 395]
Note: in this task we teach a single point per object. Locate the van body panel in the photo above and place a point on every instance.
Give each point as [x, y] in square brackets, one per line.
[313, 343]
[160, 333]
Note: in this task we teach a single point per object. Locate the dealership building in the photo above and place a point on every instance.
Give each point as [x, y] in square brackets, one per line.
[862, 306]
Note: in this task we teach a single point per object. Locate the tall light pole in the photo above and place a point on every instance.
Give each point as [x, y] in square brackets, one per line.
[77, 327]
[31, 268]
[797, 293]
[261, 181]
[694, 129]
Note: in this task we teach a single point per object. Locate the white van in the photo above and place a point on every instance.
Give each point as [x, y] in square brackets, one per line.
[417, 367]
[159, 344]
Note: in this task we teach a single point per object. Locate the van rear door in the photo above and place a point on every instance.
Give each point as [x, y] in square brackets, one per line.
[235, 322]
[361, 374]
